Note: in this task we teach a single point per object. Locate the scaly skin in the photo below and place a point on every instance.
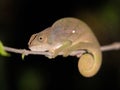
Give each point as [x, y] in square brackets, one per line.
[65, 36]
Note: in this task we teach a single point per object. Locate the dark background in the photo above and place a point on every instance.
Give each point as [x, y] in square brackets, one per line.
[19, 19]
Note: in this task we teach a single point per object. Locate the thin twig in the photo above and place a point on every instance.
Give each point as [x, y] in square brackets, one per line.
[113, 46]
[24, 51]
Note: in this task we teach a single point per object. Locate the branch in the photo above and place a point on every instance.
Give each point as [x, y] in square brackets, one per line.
[24, 51]
[113, 46]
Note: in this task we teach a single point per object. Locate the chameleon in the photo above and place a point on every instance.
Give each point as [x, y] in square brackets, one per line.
[66, 36]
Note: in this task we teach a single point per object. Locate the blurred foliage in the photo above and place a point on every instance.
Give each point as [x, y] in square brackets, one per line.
[29, 79]
[23, 56]
[2, 51]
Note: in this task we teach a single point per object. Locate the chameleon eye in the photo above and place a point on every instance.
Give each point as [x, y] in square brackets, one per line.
[41, 38]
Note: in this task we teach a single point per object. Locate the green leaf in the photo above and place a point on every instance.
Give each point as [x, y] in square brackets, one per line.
[2, 51]
[23, 56]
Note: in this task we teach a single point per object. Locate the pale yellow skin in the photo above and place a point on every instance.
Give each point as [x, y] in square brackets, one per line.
[65, 36]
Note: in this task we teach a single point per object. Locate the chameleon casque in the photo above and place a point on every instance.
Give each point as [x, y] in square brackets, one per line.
[64, 37]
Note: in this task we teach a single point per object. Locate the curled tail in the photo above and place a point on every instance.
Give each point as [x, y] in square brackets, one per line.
[89, 63]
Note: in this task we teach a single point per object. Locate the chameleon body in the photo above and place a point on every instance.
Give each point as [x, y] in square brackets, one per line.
[65, 36]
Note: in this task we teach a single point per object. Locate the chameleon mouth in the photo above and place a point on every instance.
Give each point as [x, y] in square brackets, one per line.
[38, 48]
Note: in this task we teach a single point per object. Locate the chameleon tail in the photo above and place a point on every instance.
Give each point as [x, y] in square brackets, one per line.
[89, 63]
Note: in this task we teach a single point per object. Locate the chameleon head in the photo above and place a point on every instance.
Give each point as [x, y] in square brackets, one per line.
[38, 41]
[41, 42]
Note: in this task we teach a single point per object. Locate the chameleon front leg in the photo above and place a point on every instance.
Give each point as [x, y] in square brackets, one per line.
[90, 62]
[55, 52]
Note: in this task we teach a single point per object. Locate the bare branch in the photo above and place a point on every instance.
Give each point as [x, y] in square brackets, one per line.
[113, 46]
[24, 51]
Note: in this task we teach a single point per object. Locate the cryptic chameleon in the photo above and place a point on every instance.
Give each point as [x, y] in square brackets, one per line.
[64, 37]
